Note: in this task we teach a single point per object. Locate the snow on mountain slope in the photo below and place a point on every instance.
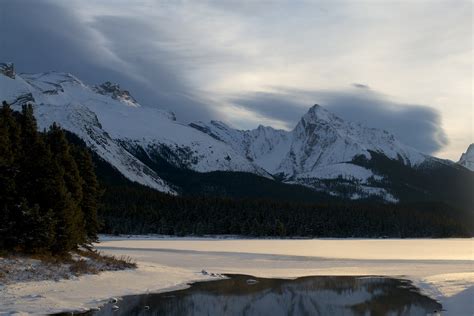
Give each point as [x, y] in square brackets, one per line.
[264, 145]
[152, 129]
[320, 139]
[323, 139]
[467, 158]
[51, 104]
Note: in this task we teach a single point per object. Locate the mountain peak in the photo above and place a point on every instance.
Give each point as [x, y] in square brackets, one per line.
[7, 69]
[470, 149]
[467, 158]
[114, 90]
[315, 109]
[318, 114]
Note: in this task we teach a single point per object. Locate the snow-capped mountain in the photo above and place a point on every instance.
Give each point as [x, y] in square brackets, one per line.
[322, 152]
[106, 118]
[320, 139]
[57, 98]
[321, 147]
[467, 158]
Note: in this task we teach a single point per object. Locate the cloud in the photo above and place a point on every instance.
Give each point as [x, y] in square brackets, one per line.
[284, 107]
[205, 59]
[416, 125]
[360, 86]
[161, 76]
[43, 36]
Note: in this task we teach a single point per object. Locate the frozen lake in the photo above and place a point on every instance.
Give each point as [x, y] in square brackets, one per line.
[442, 268]
[377, 249]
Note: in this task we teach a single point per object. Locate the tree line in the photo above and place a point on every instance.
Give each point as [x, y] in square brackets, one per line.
[134, 209]
[49, 191]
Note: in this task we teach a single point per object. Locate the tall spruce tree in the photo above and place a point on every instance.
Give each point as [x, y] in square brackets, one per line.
[67, 185]
[61, 151]
[7, 176]
[70, 223]
[91, 192]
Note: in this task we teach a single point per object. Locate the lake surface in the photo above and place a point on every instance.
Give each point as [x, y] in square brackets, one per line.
[315, 295]
[358, 249]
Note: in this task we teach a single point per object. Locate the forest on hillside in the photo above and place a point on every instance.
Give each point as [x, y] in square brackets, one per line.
[135, 210]
[130, 208]
[49, 191]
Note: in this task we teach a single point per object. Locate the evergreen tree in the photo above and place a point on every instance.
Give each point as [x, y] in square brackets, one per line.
[7, 175]
[68, 184]
[61, 151]
[91, 193]
[13, 204]
[38, 227]
[32, 156]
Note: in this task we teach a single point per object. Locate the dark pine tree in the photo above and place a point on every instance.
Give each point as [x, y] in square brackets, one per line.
[91, 192]
[8, 128]
[67, 184]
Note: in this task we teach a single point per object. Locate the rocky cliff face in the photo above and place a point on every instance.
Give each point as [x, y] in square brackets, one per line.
[113, 90]
[7, 69]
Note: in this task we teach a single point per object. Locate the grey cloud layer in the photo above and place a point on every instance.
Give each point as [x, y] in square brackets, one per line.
[153, 57]
[416, 125]
[42, 36]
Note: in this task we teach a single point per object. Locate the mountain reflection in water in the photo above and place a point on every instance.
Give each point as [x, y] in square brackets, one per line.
[316, 295]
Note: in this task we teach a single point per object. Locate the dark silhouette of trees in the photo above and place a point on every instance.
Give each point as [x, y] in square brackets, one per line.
[129, 208]
[50, 194]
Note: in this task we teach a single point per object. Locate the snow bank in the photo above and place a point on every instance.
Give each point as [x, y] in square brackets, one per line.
[455, 291]
[83, 293]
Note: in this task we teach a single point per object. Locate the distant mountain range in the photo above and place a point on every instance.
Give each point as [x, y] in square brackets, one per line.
[323, 153]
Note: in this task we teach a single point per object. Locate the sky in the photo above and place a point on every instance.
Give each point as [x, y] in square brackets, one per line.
[405, 66]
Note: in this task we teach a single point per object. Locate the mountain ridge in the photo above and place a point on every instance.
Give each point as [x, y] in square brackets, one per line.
[323, 152]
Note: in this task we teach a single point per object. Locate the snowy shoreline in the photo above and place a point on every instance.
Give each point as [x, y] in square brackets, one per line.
[108, 237]
[443, 270]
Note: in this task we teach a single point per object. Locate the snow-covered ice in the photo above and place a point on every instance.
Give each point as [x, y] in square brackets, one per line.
[442, 268]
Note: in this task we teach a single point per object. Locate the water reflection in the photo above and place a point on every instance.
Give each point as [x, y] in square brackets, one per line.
[302, 296]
